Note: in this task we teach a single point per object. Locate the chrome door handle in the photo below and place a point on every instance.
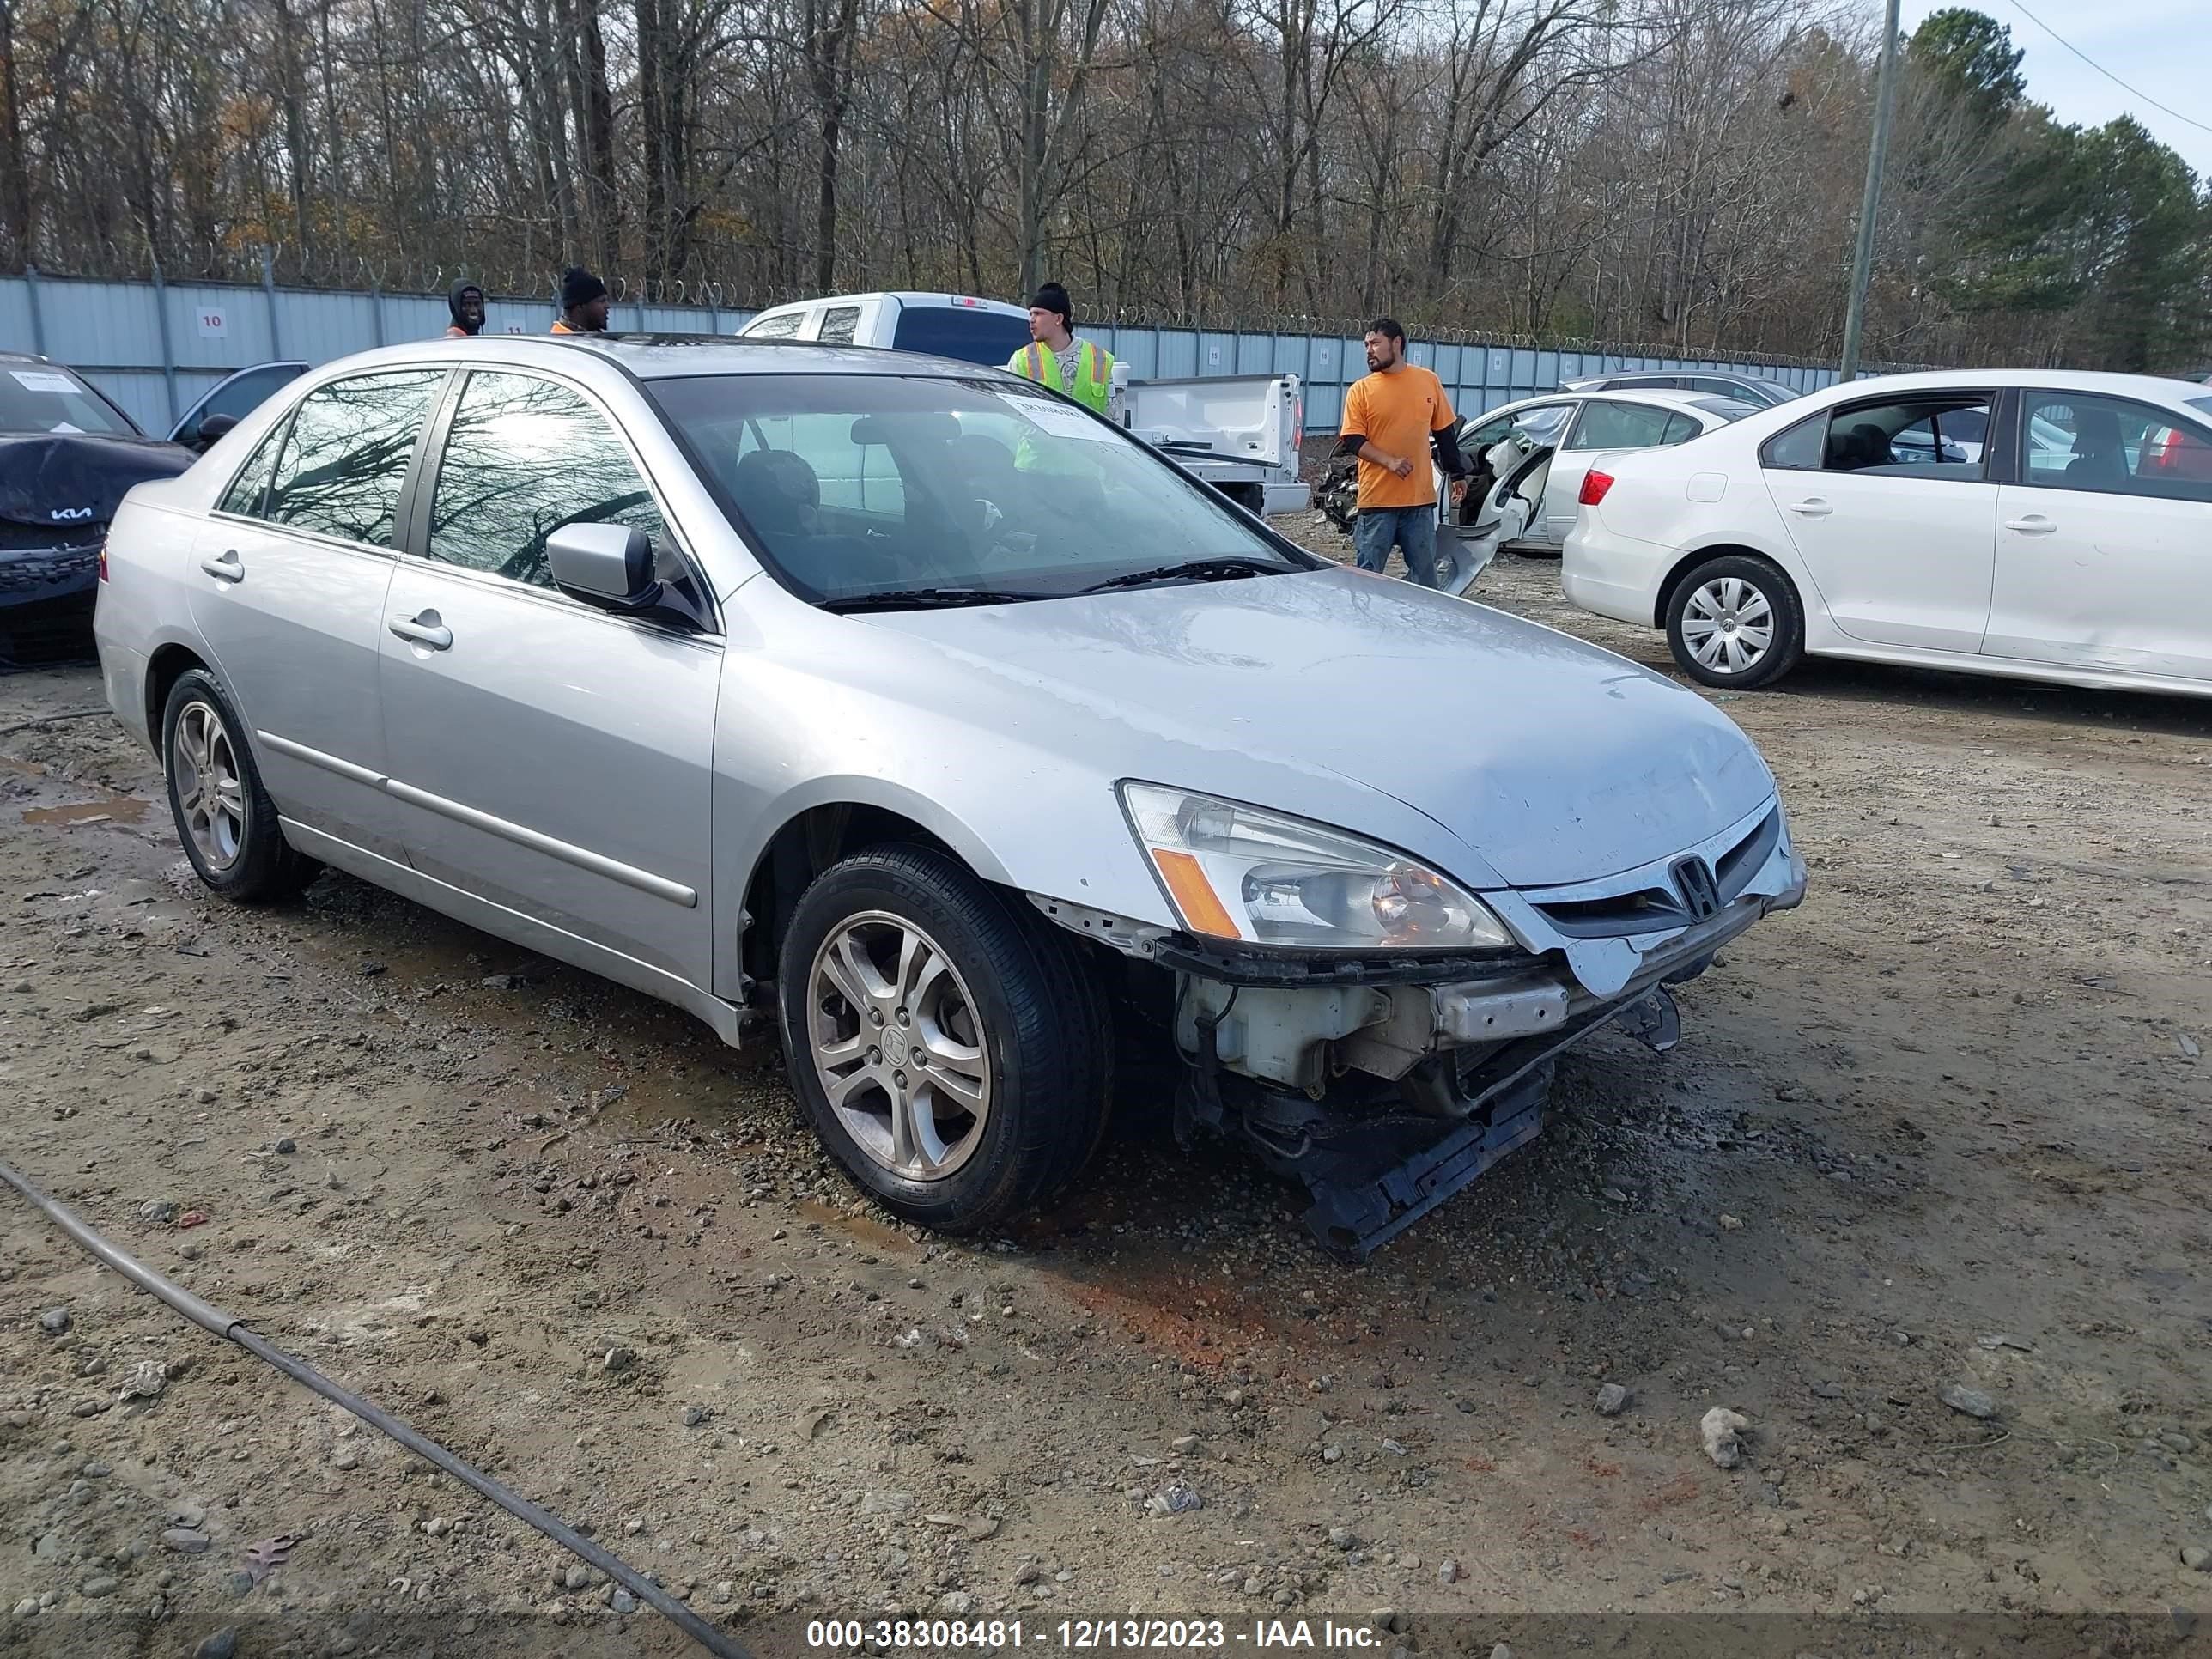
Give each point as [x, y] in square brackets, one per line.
[2033, 525]
[1814, 508]
[423, 629]
[228, 567]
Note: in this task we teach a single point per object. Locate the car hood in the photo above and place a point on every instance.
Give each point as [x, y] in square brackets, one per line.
[1549, 760]
[71, 478]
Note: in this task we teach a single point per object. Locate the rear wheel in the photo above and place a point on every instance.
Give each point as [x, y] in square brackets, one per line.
[224, 818]
[1735, 620]
[951, 1049]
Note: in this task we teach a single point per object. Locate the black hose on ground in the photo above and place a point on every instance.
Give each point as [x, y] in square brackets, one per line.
[232, 1328]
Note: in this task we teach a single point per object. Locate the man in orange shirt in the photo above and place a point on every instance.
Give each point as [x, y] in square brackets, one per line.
[1390, 418]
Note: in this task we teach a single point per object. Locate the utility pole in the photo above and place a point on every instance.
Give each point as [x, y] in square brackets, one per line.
[1885, 99]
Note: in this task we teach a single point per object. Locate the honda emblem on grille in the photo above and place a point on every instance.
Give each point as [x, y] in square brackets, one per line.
[1693, 880]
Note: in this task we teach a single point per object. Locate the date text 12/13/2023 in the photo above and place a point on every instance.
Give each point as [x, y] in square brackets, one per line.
[1149, 1635]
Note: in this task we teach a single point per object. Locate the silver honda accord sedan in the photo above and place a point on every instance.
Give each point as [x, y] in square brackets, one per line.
[976, 748]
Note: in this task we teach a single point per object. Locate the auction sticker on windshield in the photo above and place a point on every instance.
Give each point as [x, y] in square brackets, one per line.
[40, 380]
[1062, 420]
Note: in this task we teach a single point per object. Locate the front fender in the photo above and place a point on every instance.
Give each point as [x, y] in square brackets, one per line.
[1069, 840]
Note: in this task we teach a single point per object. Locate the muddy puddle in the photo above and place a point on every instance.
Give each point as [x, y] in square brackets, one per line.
[123, 809]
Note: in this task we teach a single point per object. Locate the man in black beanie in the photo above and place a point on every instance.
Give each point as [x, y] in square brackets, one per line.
[583, 303]
[1074, 368]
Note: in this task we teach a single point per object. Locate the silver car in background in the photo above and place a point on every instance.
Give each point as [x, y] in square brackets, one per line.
[910, 711]
[1759, 390]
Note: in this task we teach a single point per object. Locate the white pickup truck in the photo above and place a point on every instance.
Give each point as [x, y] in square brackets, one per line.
[1240, 433]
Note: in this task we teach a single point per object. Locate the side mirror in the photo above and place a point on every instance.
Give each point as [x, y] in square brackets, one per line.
[211, 428]
[609, 565]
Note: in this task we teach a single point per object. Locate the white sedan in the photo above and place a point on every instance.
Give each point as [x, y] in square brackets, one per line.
[2064, 534]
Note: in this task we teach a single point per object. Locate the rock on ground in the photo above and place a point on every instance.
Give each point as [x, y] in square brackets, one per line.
[1719, 1431]
[1970, 1400]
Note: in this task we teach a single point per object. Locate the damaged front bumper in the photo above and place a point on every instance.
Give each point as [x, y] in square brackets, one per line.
[1389, 1083]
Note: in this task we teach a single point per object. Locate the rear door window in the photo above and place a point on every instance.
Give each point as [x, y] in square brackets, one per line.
[965, 334]
[346, 455]
[1607, 425]
[1911, 437]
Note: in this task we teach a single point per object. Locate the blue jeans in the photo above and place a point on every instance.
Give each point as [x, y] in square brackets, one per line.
[1411, 530]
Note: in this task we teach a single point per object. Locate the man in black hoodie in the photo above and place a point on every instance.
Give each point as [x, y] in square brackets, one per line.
[466, 303]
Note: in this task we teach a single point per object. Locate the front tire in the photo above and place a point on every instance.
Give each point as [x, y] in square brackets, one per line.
[224, 818]
[1735, 622]
[952, 1051]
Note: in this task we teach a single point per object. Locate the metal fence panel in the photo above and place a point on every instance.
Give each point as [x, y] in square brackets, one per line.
[16, 323]
[1139, 348]
[1179, 355]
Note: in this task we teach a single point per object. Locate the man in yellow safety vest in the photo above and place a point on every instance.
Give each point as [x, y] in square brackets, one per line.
[1056, 359]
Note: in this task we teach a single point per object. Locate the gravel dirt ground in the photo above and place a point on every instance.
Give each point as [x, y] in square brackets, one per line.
[1942, 1132]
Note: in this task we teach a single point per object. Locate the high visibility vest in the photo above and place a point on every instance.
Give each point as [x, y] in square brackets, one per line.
[1094, 372]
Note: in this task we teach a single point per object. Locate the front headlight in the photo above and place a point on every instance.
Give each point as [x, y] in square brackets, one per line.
[1234, 871]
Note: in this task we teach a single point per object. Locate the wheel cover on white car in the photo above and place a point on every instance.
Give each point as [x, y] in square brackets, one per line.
[211, 795]
[1727, 625]
[898, 1046]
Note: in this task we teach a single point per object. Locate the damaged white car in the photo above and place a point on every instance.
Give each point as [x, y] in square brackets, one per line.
[1526, 462]
[900, 710]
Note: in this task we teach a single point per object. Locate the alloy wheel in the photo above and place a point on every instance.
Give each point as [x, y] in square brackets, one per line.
[211, 795]
[898, 1046]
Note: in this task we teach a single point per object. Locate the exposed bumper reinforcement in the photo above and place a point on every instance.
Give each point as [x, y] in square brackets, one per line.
[1371, 1177]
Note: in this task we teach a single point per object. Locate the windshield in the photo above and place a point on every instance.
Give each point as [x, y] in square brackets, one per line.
[1728, 409]
[41, 397]
[922, 490]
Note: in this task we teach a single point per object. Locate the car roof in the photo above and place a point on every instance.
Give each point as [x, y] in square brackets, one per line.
[660, 356]
[925, 298]
[2041, 380]
[1660, 397]
[1598, 382]
[1665, 396]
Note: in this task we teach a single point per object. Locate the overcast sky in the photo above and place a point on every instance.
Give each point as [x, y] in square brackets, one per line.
[2163, 46]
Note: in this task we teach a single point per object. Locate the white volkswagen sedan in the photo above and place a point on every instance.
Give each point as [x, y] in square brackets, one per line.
[2034, 523]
